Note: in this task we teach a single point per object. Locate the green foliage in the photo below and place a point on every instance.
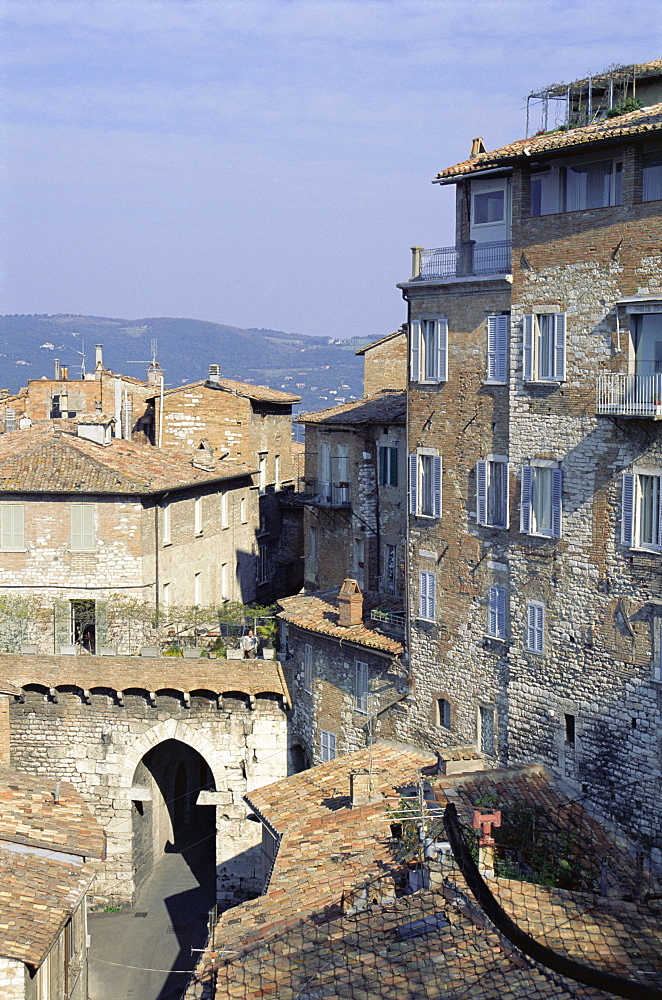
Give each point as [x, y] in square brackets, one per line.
[624, 108]
[173, 651]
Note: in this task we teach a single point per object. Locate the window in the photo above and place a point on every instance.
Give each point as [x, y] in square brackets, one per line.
[262, 470]
[12, 527]
[166, 595]
[196, 589]
[486, 726]
[544, 347]
[492, 492]
[359, 556]
[10, 419]
[390, 581]
[535, 627]
[496, 612]
[542, 496]
[225, 593]
[428, 350]
[488, 207]
[641, 521]
[497, 348]
[262, 564]
[84, 624]
[327, 746]
[388, 466]
[242, 510]
[277, 471]
[652, 178]
[443, 713]
[197, 514]
[577, 186]
[362, 687]
[165, 522]
[569, 729]
[82, 527]
[425, 485]
[426, 603]
[225, 515]
[312, 544]
[308, 668]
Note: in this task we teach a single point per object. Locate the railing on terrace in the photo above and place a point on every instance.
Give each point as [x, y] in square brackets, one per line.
[629, 395]
[323, 493]
[394, 620]
[466, 260]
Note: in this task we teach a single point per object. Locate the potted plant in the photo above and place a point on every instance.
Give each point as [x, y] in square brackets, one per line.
[268, 633]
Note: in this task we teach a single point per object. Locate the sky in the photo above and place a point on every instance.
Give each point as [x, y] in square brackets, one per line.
[262, 163]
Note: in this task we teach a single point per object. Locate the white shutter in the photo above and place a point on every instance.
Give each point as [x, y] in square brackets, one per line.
[76, 526]
[557, 502]
[6, 526]
[88, 526]
[559, 346]
[413, 484]
[528, 326]
[442, 350]
[627, 510]
[12, 527]
[414, 351]
[497, 348]
[436, 485]
[527, 497]
[481, 492]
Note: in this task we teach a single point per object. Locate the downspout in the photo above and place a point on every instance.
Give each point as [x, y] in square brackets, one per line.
[156, 557]
[378, 536]
[161, 414]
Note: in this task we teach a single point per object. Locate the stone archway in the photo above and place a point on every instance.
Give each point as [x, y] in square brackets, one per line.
[170, 729]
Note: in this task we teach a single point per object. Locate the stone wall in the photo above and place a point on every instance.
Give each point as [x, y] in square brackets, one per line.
[14, 980]
[385, 364]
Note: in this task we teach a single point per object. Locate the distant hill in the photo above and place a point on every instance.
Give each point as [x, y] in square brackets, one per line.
[320, 371]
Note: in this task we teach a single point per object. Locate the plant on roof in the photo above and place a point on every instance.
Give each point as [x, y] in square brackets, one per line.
[624, 108]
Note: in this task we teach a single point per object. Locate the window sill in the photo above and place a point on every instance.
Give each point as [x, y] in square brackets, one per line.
[199, 534]
[166, 544]
[640, 551]
[427, 621]
[544, 381]
[25, 550]
[534, 652]
[502, 639]
[81, 550]
[494, 527]
[494, 381]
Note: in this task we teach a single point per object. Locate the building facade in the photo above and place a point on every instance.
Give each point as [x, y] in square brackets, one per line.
[535, 461]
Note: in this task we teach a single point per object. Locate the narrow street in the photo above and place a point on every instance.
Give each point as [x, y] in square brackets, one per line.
[133, 955]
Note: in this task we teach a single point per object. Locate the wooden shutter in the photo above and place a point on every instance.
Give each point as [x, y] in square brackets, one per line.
[528, 327]
[393, 471]
[557, 502]
[442, 350]
[559, 346]
[423, 595]
[627, 510]
[527, 497]
[382, 466]
[12, 526]
[496, 612]
[506, 492]
[431, 588]
[77, 525]
[501, 611]
[413, 484]
[497, 348]
[436, 485]
[481, 492]
[414, 351]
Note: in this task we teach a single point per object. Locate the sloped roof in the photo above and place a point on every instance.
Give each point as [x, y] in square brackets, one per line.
[259, 393]
[382, 340]
[319, 613]
[383, 408]
[42, 459]
[37, 897]
[642, 122]
[29, 815]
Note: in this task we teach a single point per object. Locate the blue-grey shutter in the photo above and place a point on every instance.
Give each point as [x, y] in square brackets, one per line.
[528, 326]
[423, 595]
[527, 497]
[481, 492]
[436, 485]
[497, 348]
[442, 350]
[535, 627]
[501, 612]
[530, 626]
[491, 348]
[431, 596]
[414, 350]
[557, 502]
[492, 613]
[413, 484]
[506, 475]
[627, 510]
[559, 346]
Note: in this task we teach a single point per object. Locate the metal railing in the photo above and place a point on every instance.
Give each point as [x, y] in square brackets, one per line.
[629, 395]
[325, 494]
[390, 619]
[464, 260]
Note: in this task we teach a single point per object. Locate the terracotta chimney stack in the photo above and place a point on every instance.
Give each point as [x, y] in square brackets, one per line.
[350, 604]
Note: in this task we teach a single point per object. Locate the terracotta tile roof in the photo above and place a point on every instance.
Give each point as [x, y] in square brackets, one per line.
[122, 673]
[37, 896]
[643, 122]
[319, 613]
[43, 460]
[382, 340]
[258, 392]
[385, 407]
[29, 815]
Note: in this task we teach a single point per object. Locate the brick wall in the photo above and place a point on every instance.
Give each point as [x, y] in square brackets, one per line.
[385, 365]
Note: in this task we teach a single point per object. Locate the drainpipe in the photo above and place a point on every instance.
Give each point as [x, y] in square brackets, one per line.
[161, 413]
[156, 557]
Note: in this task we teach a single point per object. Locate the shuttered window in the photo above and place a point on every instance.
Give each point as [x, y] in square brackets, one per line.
[535, 627]
[496, 612]
[327, 746]
[492, 493]
[362, 686]
[541, 500]
[428, 350]
[12, 527]
[544, 347]
[497, 348]
[82, 526]
[641, 513]
[308, 668]
[427, 587]
[425, 485]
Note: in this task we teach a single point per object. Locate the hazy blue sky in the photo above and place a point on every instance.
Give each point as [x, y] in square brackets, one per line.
[262, 162]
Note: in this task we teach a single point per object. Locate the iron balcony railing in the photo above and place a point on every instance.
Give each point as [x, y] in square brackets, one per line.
[325, 494]
[629, 395]
[394, 620]
[465, 260]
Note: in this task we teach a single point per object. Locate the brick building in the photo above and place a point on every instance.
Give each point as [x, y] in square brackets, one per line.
[385, 363]
[535, 461]
[84, 519]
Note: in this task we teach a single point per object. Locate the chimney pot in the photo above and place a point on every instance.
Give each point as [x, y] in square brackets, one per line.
[361, 789]
[98, 356]
[57, 370]
[214, 373]
[64, 373]
[350, 604]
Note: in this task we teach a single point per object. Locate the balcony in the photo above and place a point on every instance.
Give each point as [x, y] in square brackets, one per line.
[629, 396]
[390, 621]
[319, 493]
[464, 261]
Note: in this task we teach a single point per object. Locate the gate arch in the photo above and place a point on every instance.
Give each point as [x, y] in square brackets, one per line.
[171, 729]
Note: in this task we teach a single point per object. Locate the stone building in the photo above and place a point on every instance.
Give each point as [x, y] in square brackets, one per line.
[50, 845]
[82, 521]
[535, 461]
[346, 670]
[250, 424]
[385, 363]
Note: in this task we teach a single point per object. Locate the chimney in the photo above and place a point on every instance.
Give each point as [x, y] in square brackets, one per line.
[98, 357]
[477, 146]
[64, 373]
[350, 604]
[361, 789]
[57, 370]
[215, 373]
[64, 402]
[203, 457]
